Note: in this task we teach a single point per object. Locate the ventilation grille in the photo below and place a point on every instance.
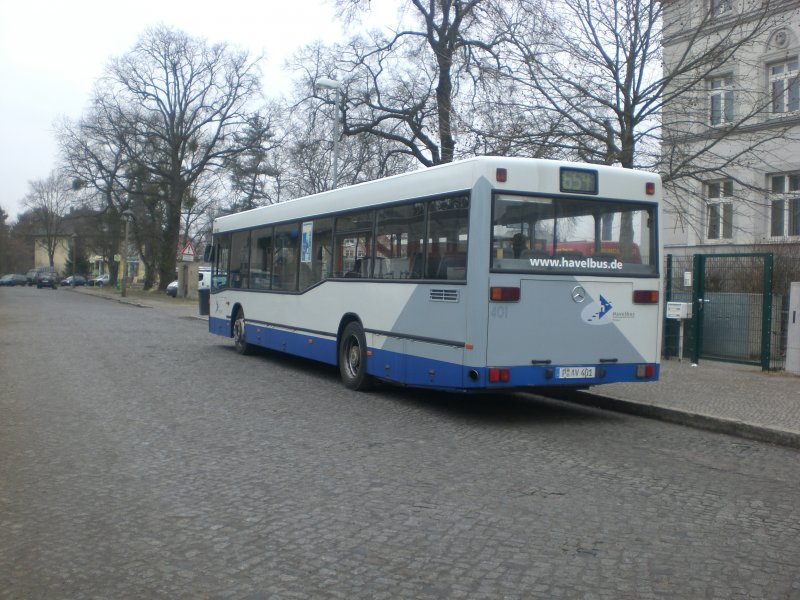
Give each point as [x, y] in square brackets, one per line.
[444, 296]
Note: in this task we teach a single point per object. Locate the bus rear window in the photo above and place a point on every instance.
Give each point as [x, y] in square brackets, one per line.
[564, 235]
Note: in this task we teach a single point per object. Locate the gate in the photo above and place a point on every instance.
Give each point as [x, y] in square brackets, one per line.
[732, 307]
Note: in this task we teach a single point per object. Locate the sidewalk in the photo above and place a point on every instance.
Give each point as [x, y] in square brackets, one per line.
[739, 400]
[728, 398]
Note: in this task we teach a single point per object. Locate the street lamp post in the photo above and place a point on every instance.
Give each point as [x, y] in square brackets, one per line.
[128, 216]
[332, 84]
[74, 256]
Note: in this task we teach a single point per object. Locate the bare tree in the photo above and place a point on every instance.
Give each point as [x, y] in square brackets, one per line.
[50, 200]
[96, 155]
[401, 87]
[191, 101]
[597, 68]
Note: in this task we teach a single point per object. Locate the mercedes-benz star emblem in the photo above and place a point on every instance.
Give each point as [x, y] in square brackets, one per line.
[578, 294]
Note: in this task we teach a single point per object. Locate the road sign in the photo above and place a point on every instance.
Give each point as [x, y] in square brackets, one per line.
[188, 252]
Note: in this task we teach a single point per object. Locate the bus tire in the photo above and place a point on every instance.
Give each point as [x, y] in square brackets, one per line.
[239, 341]
[353, 358]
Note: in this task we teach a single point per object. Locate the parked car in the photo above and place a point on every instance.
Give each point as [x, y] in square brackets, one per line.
[13, 279]
[46, 279]
[32, 276]
[101, 280]
[172, 289]
[79, 280]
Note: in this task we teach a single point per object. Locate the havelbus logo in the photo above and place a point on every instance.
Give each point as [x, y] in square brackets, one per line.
[601, 312]
[597, 313]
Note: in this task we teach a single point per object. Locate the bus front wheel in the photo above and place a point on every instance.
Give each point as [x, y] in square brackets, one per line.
[239, 341]
[353, 358]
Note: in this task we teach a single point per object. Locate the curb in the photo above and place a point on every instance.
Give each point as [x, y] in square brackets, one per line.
[134, 302]
[678, 417]
[128, 301]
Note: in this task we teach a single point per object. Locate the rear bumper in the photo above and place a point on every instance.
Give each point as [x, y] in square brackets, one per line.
[548, 375]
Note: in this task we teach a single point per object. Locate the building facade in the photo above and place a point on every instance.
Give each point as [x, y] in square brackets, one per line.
[736, 129]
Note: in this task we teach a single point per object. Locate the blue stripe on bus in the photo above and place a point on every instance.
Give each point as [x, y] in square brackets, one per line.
[219, 326]
[307, 346]
[419, 371]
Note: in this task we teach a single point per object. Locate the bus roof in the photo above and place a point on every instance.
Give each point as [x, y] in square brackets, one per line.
[523, 175]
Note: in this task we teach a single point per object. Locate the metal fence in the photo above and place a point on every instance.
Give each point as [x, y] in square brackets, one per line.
[740, 306]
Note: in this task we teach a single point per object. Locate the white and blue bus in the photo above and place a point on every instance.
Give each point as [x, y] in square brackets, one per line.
[487, 273]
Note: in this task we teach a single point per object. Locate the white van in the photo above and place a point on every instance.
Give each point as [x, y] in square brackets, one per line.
[204, 278]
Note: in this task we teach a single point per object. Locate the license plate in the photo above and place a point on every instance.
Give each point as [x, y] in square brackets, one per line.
[574, 372]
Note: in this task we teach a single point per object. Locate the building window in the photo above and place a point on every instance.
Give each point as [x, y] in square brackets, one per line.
[784, 88]
[785, 205]
[720, 7]
[719, 210]
[721, 99]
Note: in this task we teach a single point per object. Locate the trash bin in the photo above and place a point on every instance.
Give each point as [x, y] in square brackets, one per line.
[204, 298]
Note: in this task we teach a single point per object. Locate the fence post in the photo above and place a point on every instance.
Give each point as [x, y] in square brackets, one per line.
[698, 290]
[667, 350]
[766, 314]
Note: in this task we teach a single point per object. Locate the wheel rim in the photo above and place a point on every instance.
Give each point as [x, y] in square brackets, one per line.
[353, 357]
[238, 331]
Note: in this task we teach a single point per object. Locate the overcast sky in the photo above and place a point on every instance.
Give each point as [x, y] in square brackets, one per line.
[52, 52]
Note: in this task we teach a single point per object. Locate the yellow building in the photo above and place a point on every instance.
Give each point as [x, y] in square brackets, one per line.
[96, 262]
[41, 257]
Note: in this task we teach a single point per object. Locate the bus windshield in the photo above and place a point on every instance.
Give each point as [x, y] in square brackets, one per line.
[568, 235]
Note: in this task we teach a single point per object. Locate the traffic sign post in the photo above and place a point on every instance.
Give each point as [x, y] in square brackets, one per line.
[188, 252]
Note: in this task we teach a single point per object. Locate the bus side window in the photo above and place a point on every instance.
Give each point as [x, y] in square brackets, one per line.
[260, 258]
[353, 241]
[316, 258]
[448, 227]
[240, 260]
[219, 278]
[285, 262]
[399, 231]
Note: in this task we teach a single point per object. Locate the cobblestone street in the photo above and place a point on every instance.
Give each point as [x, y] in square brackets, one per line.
[141, 457]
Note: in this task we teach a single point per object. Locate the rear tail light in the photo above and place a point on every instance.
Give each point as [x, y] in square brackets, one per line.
[504, 294]
[497, 375]
[645, 297]
[645, 371]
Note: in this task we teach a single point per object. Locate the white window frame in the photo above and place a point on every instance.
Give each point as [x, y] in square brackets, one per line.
[784, 86]
[719, 210]
[784, 218]
[720, 100]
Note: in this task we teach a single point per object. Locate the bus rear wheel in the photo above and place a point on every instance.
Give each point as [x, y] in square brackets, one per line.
[239, 340]
[353, 358]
